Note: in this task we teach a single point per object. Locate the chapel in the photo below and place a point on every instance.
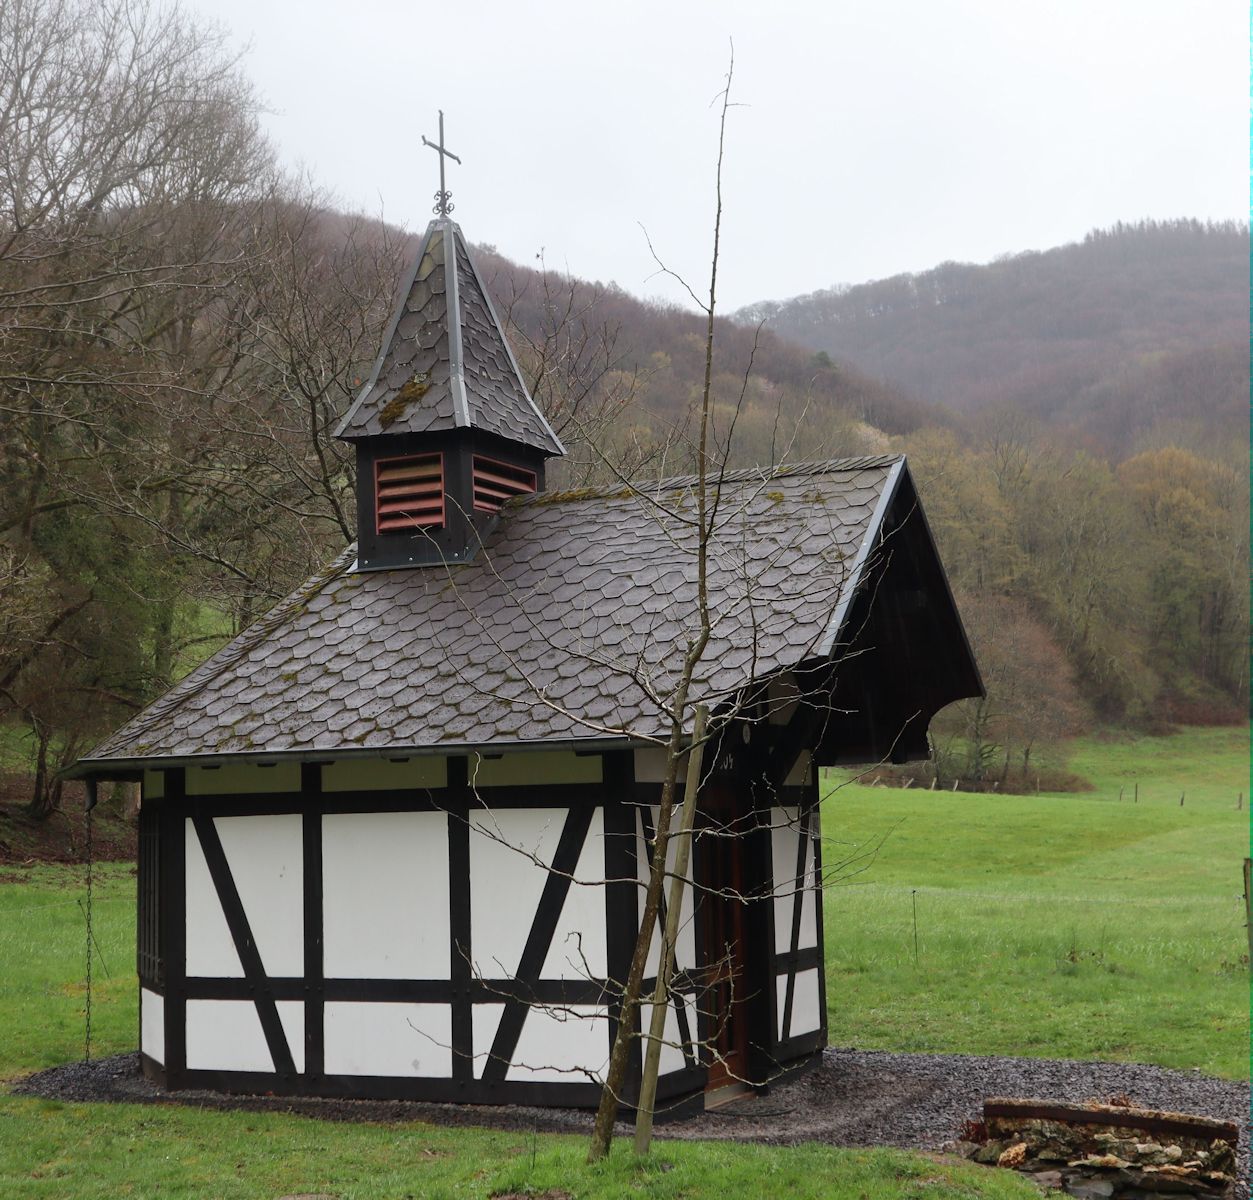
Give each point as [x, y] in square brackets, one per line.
[394, 836]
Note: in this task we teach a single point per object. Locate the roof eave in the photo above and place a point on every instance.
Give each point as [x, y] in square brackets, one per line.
[85, 767]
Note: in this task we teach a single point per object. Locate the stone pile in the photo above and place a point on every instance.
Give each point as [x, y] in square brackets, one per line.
[1106, 1151]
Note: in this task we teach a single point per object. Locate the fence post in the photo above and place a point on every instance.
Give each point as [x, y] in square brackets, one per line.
[1248, 905]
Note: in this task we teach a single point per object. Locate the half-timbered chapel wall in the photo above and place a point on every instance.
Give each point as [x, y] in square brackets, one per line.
[430, 927]
[796, 864]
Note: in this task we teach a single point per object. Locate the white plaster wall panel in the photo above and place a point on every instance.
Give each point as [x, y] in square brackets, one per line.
[671, 1050]
[685, 945]
[380, 774]
[210, 948]
[566, 1045]
[154, 785]
[226, 1035]
[409, 1040]
[241, 779]
[784, 831]
[799, 775]
[484, 1023]
[650, 765]
[511, 851]
[385, 895]
[538, 767]
[266, 858]
[152, 1025]
[809, 903]
[578, 949]
[806, 1003]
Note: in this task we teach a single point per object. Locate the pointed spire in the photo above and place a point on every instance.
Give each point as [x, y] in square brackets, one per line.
[445, 362]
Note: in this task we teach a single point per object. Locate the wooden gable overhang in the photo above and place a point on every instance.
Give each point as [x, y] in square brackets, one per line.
[895, 655]
[902, 653]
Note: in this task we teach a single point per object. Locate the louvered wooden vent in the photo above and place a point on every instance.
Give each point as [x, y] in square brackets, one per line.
[495, 482]
[409, 492]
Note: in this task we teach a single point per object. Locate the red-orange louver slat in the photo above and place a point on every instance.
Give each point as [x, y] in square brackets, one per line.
[495, 482]
[409, 492]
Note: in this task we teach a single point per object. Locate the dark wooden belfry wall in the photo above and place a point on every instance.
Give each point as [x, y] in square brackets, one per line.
[458, 538]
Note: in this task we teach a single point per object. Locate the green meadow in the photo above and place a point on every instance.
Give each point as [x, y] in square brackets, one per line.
[1059, 926]
[57, 1151]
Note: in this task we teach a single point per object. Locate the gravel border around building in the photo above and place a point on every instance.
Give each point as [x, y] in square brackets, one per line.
[849, 1098]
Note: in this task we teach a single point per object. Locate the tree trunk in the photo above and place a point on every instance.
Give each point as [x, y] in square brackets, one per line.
[44, 796]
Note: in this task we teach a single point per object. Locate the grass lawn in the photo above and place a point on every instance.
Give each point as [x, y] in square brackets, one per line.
[80, 1151]
[1055, 925]
[86, 1151]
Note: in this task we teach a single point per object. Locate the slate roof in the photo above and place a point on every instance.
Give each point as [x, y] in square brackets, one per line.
[570, 624]
[445, 361]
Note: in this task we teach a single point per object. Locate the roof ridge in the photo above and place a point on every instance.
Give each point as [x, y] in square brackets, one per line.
[864, 462]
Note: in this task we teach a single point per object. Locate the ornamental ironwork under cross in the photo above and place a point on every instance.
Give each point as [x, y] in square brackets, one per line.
[443, 198]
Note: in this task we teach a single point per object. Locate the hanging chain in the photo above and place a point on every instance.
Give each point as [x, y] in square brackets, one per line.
[87, 1030]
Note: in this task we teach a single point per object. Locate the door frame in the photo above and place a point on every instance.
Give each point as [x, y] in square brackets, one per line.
[727, 798]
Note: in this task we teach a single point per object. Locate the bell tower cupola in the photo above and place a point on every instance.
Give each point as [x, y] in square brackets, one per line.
[445, 429]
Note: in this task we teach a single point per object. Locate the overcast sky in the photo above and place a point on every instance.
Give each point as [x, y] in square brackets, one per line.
[876, 136]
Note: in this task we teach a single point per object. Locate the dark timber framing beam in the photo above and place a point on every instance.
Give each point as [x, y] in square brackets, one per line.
[174, 901]
[314, 983]
[460, 950]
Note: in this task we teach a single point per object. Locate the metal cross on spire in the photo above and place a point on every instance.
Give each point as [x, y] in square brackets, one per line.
[443, 198]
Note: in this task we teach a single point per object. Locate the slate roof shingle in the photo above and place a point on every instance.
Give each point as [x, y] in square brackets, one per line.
[571, 623]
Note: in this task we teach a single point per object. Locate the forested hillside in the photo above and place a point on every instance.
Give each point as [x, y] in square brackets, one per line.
[1136, 335]
[619, 376]
[181, 327]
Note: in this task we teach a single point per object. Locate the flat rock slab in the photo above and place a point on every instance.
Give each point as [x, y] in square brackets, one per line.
[849, 1098]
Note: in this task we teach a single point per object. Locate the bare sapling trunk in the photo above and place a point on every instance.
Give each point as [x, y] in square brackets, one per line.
[611, 1092]
[661, 993]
